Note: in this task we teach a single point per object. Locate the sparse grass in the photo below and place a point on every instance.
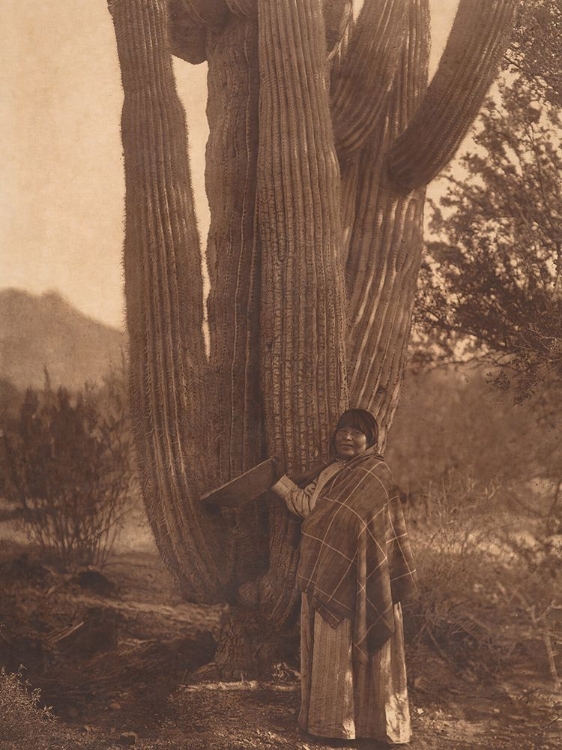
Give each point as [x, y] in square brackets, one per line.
[22, 718]
[533, 590]
[490, 583]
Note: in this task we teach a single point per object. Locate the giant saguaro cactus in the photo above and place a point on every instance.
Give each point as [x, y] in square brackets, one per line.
[323, 137]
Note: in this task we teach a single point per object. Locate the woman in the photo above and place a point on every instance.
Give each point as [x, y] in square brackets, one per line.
[355, 568]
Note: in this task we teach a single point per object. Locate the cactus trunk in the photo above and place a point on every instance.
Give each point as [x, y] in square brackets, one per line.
[323, 137]
[163, 288]
[303, 323]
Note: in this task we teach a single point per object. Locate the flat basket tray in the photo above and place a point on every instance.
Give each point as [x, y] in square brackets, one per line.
[244, 488]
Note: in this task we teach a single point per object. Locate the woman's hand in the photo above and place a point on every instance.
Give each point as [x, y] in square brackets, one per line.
[279, 465]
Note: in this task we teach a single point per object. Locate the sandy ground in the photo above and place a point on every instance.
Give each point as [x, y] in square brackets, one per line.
[115, 661]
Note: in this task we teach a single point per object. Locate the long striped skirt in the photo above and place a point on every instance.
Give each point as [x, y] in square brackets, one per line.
[342, 698]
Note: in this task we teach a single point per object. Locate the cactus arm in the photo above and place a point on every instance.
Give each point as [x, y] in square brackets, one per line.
[478, 39]
[233, 250]
[298, 194]
[360, 90]
[338, 18]
[233, 260]
[188, 37]
[189, 24]
[205, 12]
[298, 197]
[386, 242]
[163, 289]
[245, 8]
[302, 290]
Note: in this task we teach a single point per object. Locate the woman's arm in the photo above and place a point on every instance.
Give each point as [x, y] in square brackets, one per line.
[298, 500]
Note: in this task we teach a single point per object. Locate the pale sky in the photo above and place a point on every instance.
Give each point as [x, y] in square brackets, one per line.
[61, 173]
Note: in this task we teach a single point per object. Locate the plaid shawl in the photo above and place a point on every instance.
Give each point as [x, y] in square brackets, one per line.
[355, 560]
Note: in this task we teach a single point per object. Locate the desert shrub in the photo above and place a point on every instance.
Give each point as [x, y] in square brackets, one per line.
[490, 582]
[22, 719]
[482, 481]
[532, 588]
[69, 468]
[451, 422]
[456, 569]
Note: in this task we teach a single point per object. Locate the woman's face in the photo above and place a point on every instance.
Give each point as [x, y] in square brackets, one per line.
[349, 442]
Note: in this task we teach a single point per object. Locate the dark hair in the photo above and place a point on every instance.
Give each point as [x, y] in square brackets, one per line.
[362, 420]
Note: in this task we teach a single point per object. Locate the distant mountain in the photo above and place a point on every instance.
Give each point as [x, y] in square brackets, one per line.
[46, 331]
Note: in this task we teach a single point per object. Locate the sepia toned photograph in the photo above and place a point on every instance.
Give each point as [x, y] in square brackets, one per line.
[281, 374]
